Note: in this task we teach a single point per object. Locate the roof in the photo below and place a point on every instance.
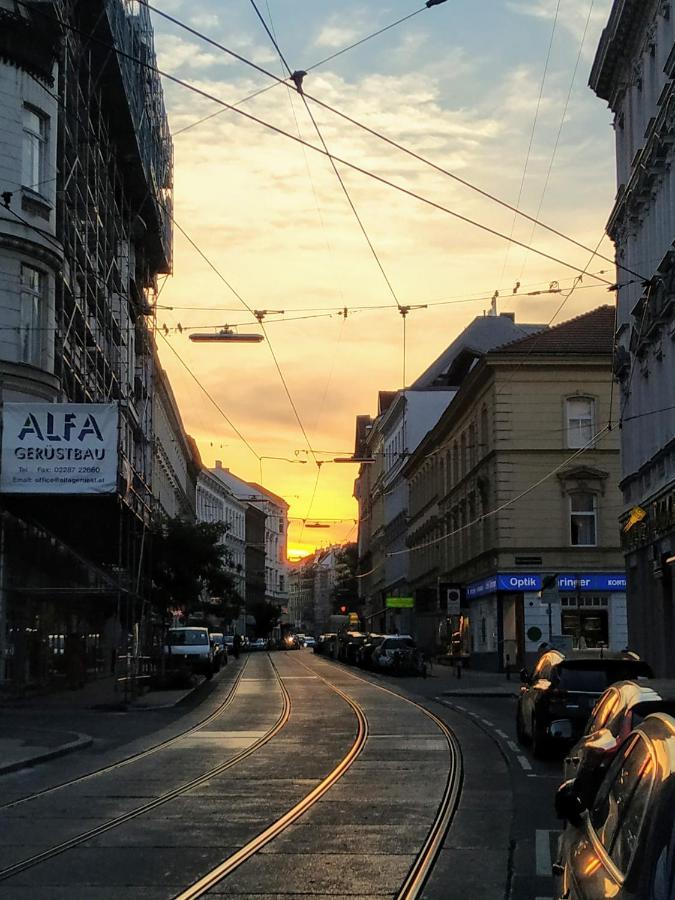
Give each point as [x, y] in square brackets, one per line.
[268, 493]
[483, 334]
[616, 45]
[384, 401]
[590, 334]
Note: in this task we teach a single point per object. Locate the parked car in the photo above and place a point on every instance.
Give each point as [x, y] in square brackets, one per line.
[558, 697]
[220, 655]
[189, 649]
[259, 644]
[618, 711]
[623, 846]
[364, 653]
[325, 644]
[349, 645]
[310, 642]
[398, 654]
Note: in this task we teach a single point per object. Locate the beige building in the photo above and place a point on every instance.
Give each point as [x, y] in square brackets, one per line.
[514, 500]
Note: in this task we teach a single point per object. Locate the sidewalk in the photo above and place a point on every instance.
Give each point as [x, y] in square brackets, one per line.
[474, 683]
[21, 747]
[26, 742]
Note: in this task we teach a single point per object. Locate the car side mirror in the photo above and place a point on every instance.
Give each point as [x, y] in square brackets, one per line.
[524, 676]
[568, 804]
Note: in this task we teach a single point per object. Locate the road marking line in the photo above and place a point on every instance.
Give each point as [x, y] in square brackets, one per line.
[502, 734]
[543, 852]
[524, 763]
[486, 722]
[463, 708]
[513, 747]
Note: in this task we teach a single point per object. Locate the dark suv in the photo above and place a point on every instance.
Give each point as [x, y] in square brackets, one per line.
[558, 697]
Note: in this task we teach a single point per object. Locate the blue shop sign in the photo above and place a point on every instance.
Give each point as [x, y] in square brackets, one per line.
[518, 581]
[603, 581]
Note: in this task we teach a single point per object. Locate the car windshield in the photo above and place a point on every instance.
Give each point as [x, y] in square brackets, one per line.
[398, 643]
[188, 637]
[596, 678]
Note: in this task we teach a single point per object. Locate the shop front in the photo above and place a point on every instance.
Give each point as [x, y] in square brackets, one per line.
[512, 614]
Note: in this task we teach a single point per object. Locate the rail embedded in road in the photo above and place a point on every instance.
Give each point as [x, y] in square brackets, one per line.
[78, 840]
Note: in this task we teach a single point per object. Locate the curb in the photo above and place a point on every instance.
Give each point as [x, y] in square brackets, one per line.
[478, 693]
[81, 743]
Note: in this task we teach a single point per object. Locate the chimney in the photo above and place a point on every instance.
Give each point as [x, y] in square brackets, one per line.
[508, 315]
[219, 464]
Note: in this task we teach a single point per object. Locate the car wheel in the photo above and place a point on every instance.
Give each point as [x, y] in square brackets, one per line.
[538, 741]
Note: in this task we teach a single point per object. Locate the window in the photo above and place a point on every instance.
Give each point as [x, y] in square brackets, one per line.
[35, 135]
[579, 421]
[583, 515]
[32, 302]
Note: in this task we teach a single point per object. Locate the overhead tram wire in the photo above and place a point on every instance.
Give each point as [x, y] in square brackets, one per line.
[311, 68]
[556, 144]
[532, 134]
[209, 395]
[380, 179]
[297, 77]
[457, 298]
[366, 128]
[537, 336]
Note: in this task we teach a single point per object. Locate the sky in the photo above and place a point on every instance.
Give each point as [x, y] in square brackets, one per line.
[460, 84]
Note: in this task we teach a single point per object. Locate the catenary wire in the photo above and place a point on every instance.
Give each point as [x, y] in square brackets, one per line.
[507, 503]
[366, 128]
[532, 134]
[280, 131]
[311, 68]
[209, 395]
[556, 143]
[330, 158]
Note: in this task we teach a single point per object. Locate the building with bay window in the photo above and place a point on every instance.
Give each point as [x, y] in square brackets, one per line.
[634, 72]
[514, 503]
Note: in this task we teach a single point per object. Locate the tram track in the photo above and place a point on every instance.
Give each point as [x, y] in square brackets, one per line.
[134, 757]
[254, 846]
[168, 796]
[417, 876]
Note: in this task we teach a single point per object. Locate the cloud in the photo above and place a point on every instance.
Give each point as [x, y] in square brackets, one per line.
[571, 16]
[175, 53]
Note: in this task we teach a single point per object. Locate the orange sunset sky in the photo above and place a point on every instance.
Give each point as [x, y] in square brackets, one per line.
[460, 84]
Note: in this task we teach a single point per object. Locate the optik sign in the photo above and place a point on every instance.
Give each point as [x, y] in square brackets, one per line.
[59, 448]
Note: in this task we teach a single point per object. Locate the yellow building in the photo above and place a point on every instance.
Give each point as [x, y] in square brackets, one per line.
[514, 500]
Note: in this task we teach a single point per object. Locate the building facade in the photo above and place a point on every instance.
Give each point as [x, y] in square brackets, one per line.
[255, 560]
[85, 231]
[276, 530]
[633, 72]
[514, 503]
[176, 462]
[389, 439]
[217, 503]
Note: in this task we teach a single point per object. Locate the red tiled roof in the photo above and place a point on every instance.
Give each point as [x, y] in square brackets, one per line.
[590, 334]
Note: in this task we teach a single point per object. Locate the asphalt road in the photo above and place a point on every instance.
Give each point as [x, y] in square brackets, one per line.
[294, 776]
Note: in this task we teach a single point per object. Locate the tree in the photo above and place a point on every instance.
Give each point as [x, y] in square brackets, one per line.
[346, 589]
[189, 569]
[266, 616]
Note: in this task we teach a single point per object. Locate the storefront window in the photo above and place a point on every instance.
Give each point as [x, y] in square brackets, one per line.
[586, 621]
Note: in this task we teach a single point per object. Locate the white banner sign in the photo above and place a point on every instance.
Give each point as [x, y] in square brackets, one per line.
[59, 448]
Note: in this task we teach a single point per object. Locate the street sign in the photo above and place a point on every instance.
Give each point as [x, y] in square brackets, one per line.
[400, 603]
[450, 598]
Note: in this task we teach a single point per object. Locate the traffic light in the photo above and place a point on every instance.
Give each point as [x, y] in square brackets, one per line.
[343, 610]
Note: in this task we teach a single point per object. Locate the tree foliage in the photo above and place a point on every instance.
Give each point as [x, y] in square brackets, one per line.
[346, 589]
[266, 616]
[190, 569]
